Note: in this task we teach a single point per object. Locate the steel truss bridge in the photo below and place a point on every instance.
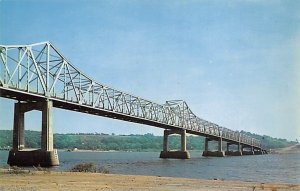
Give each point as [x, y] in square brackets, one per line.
[35, 72]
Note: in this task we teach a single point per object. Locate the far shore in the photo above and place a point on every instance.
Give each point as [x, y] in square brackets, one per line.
[89, 150]
[40, 180]
[286, 150]
[293, 149]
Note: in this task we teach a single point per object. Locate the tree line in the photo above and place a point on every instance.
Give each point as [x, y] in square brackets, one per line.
[105, 142]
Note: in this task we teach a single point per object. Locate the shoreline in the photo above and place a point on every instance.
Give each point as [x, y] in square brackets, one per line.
[40, 180]
[293, 149]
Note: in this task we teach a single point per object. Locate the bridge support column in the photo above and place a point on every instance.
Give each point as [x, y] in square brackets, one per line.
[182, 154]
[219, 153]
[18, 128]
[233, 153]
[183, 141]
[46, 156]
[220, 148]
[165, 141]
[206, 143]
[47, 134]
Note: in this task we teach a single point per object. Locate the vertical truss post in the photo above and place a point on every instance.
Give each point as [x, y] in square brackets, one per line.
[5, 68]
[19, 67]
[28, 72]
[47, 70]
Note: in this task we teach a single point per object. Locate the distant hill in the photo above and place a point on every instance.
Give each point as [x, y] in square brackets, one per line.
[270, 142]
[286, 150]
[147, 142]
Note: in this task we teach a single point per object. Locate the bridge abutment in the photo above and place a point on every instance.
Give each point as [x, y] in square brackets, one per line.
[182, 154]
[46, 156]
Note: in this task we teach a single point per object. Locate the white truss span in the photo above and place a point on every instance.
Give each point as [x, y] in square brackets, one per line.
[40, 71]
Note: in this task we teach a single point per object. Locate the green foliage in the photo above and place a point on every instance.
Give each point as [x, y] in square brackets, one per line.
[5, 138]
[84, 167]
[89, 167]
[18, 170]
[32, 139]
[43, 169]
[104, 142]
[270, 142]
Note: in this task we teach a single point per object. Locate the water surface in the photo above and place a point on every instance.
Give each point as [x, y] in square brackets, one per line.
[260, 168]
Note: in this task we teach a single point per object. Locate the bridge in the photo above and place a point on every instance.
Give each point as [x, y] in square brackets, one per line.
[39, 77]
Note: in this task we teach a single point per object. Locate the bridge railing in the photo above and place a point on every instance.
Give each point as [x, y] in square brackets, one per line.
[41, 69]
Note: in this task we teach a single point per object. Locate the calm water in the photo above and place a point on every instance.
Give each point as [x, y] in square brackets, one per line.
[261, 168]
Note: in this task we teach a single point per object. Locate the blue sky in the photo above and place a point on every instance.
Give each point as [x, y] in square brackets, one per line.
[235, 63]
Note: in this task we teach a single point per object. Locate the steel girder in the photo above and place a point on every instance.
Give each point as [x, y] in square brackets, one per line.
[42, 70]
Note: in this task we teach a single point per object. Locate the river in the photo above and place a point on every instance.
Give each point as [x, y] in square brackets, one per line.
[283, 168]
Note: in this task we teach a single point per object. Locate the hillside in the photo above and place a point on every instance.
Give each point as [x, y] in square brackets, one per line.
[147, 142]
[287, 150]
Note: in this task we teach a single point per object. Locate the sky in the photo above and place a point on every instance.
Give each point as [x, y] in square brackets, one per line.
[235, 63]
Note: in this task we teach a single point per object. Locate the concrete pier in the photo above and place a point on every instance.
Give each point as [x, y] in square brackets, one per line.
[18, 128]
[47, 134]
[219, 153]
[46, 156]
[228, 152]
[33, 158]
[250, 150]
[182, 154]
[213, 154]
